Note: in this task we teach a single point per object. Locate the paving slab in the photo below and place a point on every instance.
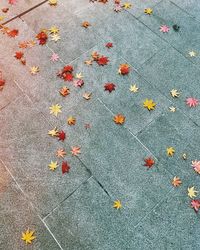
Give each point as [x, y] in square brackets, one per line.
[26, 150]
[169, 70]
[184, 40]
[17, 216]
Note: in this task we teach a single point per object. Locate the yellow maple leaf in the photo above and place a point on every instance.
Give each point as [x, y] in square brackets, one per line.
[192, 192]
[55, 109]
[53, 165]
[28, 236]
[174, 93]
[53, 132]
[192, 53]
[34, 70]
[149, 104]
[117, 204]
[53, 2]
[170, 151]
[54, 30]
[71, 120]
[148, 11]
[134, 88]
[88, 62]
[127, 5]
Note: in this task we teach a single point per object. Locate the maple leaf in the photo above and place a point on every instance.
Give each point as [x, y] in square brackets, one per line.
[78, 83]
[28, 236]
[61, 135]
[87, 96]
[148, 11]
[71, 121]
[127, 5]
[174, 93]
[149, 104]
[42, 37]
[117, 8]
[164, 29]
[119, 119]
[95, 55]
[103, 1]
[61, 153]
[124, 69]
[192, 53]
[75, 151]
[64, 91]
[117, 204]
[109, 87]
[34, 70]
[88, 62]
[68, 68]
[53, 132]
[19, 55]
[54, 57]
[53, 165]
[149, 162]
[79, 75]
[192, 192]
[184, 156]
[109, 45]
[54, 30]
[195, 204]
[172, 109]
[5, 10]
[192, 102]
[170, 151]
[87, 126]
[2, 83]
[53, 2]
[55, 37]
[134, 88]
[196, 166]
[65, 167]
[55, 109]
[85, 24]
[176, 182]
[67, 77]
[103, 60]
[13, 33]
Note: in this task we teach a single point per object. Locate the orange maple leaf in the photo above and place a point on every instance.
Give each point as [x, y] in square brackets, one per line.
[176, 182]
[119, 119]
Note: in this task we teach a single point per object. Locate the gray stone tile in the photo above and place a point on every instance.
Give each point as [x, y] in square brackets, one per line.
[185, 40]
[190, 6]
[70, 30]
[16, 9]
[17, 216]
[26, 149]
[134, 41]
[173, 224]
[81, 222]
[169, 70]
[173, 130]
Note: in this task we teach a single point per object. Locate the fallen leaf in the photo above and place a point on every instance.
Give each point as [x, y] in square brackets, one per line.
[117, 8]
[61, 135]
[28, 236]
[124, 69]
[164, 29]
[55, 37]
[195, 204]
[85, 24]
[109, 45]
[88, 62]
[174, 93]
[19, 55]
[34, 70]
[172, 109]
[54, 30]
[103, 60]
[149, 104]
[87, 96]
[196, 166]
[149, 162]
[176, 182]
[42, 37]
[148, 11]
[2, 83]
[192, 192]
[127, 5]
[55, 109]
[134, 88]
[192, 53]
[64, 91]
[61, 153]
[75, 151]
[53, 132]
[65, 167]
[192, 102]
[54, 57]
[13, 33]
[53, 2]
[119, 119]
[170, 151]
[71, 121]
[109, 87]
[53, 165]
[79, 75]
[117, 204]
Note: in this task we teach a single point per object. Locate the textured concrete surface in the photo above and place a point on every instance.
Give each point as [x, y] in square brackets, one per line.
[74, 211]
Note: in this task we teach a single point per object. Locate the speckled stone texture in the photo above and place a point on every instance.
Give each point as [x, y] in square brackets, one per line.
[75, 211]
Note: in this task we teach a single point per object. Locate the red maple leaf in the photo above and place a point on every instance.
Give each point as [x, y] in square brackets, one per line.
[2, 83]
[109, 86]
[67, 68]
[13, 33]
[65, 167]
[19, 54]
[42, 37]
[103, 60]
[149, 162]
[61, 135]
[109, 45]
[196, 205]
[68, 77]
